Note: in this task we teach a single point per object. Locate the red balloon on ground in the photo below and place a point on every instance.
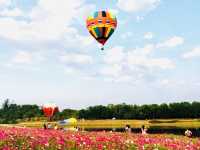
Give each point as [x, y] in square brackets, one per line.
[49, 110]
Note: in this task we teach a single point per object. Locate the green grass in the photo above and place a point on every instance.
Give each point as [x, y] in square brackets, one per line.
[161, 123]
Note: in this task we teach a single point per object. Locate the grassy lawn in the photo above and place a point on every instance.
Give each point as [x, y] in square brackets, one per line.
[162, 123]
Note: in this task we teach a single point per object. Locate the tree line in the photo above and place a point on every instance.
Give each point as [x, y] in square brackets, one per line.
[151, 111]
[12, 113]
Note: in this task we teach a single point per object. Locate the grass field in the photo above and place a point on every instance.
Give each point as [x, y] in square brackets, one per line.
[161, 123]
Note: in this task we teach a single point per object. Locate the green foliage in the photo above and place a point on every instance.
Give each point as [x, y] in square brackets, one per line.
[153, 111]
[12, 113]
[154, 147]
[66, 113]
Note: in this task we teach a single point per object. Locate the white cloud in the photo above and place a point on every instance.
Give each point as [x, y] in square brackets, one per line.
[72, 37]
[25, 57]
[151, 63]
[193, 53]
[165, 82]
[12, 29]
[112, 70]
[71, 71]
[84, 40]
[168, 83]
[197, 83]
[120, 64]
[126, 35]
[48, 20]
[137, 5]
[11, 12]
[61, 11]
[22, 57]
[126, 66]
[139, 18]
[120, 79]
[4, 3]
[172, 42]
[147, 49]
[148, 35]
[114, 55]
[124, 78]
[7, 9]
[75, 58]
[114, 11]
[163, 63]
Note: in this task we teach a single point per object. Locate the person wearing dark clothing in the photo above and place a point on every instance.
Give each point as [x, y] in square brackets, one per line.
[45, 126]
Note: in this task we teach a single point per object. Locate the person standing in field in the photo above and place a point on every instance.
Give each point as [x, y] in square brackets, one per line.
[56, 127]
[188, 133]
[49, 126]
[45, 126]
[128, 128]
[143, 130]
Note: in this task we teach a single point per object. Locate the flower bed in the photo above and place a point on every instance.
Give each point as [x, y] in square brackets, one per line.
[39, 139]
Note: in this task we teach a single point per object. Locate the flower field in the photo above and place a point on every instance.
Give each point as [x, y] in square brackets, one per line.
[39, 139]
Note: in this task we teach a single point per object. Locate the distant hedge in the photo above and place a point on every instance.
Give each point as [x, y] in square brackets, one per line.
[152, 111]
[12, 113]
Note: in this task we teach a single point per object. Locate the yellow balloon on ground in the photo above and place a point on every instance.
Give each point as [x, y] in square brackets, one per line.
[72, 120]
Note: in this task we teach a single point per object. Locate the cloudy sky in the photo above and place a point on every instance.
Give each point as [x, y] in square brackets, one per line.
[47, 54]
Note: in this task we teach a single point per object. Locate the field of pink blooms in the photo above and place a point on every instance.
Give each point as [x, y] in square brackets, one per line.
[40, 139]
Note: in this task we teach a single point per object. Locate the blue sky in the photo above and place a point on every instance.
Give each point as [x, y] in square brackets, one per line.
[47, 54]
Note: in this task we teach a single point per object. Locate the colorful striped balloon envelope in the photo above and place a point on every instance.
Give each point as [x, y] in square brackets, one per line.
[101, 25]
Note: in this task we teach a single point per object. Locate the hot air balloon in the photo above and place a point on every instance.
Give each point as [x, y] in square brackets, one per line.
[70, 121]
[49, 110]
[101, 26]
